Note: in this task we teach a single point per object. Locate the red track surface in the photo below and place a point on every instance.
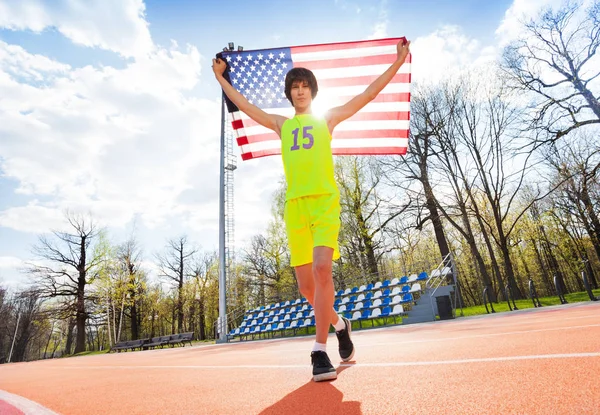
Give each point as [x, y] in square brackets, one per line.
[542, 361]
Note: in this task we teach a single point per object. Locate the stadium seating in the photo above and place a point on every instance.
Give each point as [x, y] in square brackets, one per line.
[385, 300]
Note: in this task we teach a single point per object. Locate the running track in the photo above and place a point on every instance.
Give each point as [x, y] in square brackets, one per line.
[538, 361]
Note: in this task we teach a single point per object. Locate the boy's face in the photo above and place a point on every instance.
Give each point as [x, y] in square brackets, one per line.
[301, 94]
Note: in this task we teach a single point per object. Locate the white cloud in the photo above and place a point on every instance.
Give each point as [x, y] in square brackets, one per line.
[116, 25]
[10, 262]
[522, 11]
[32, 218]
[445, 53]
[380, 27]
[114, 142]
[10, 276]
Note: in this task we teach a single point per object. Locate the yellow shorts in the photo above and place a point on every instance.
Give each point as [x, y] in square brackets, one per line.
[312, 221]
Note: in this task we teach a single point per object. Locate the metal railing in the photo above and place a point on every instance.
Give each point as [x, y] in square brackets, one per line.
[533, 294]
[508, 293]
[559, 290]
[588, 288]
[488, 299]
[437, 278]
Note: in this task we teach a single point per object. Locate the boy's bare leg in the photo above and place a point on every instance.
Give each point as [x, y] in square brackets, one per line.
[324, 291]
[306, 285]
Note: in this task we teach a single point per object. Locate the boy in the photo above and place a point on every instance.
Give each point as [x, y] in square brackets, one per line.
[312, 208]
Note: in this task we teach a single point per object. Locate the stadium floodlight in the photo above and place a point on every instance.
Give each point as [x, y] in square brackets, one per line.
[240, 48]
[225, 49]
[231, 46]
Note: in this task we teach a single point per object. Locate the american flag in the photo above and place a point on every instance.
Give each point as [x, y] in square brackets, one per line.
[343, 70]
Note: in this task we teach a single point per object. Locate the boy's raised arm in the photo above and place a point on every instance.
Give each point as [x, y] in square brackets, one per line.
[339, 114]
[271, 121]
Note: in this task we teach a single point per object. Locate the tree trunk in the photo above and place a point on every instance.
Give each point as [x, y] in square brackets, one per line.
[438, 227]
[48, 342]
[81, 315]
[135, 331]
[201, 323]
[593, 224]
[552, 262]
[69, 344]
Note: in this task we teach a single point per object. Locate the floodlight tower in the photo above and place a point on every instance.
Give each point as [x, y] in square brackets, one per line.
[226, 213]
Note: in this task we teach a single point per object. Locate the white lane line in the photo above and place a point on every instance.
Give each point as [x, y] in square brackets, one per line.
[25, 405]
[483, 322]
[383, 364]
[478, 336]
[360, 344]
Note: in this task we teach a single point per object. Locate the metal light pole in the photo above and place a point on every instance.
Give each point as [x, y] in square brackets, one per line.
[14, 337]
[223, 248]
[222, 324]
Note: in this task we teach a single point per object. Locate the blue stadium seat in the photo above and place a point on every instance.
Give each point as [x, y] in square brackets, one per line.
[404, 280]
[422, 276]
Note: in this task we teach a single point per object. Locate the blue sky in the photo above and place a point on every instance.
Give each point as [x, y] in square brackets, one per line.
[111, 107]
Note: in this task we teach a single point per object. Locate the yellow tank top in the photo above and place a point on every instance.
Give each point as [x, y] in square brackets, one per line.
[307, 158]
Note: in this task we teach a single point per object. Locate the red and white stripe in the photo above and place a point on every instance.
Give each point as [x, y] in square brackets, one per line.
[344, 70]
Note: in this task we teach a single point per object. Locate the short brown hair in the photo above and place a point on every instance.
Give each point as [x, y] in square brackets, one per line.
[302, 75]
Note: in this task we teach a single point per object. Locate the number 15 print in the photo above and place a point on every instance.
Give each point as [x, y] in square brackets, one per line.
[307, 138]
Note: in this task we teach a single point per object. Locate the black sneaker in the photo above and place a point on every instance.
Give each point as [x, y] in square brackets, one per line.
[322, 367]
[346, 347]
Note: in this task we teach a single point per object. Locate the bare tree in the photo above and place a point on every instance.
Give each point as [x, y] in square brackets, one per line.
[556, 60]
[203, 267]
[66, 270]
[129, 257]
[29, 309]
[577, 167]
[175, 265]
[416, 166]
[366, 211]
[267, 263]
